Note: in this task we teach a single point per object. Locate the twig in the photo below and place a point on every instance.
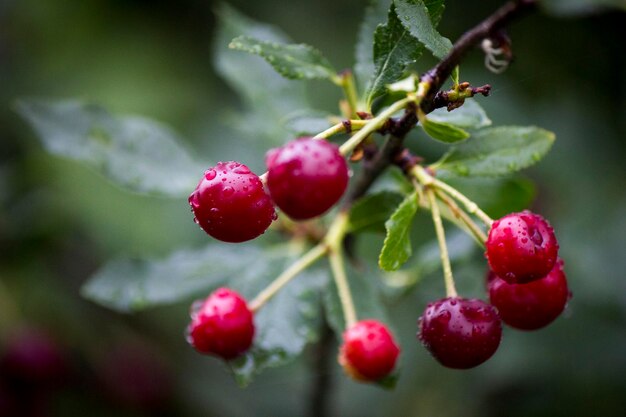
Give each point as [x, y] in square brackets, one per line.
[434, 78]
[440, 72]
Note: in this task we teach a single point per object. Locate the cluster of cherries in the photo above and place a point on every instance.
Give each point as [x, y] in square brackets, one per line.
[526, 284]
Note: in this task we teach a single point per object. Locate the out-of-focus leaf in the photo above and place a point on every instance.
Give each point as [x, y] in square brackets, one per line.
[394, 50]
[267, 92]
[497, 151]
[285, 325]
[306, 122]
[375, 14]
[372, 211]
[416, 18]
[469, 116]
[131, 285]
[136, 153]
[442, 131]
[397, 246]
[293, 61]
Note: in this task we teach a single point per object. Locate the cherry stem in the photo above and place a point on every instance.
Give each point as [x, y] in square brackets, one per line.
[428, 180]
[443, 248]
[346, 81]
[373, 125]
[334, 240]
[342, 127]
[475, 231]
[288, 274]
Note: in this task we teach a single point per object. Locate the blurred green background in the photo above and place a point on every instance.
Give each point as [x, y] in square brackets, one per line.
[59, 221]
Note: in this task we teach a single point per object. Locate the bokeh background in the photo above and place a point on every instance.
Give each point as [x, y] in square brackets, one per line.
[59, 221]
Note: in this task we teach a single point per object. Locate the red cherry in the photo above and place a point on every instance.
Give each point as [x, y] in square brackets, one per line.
[533, 305]
[369, 351]
[306, 177]
[460, 333]
[231, 204]
[521, 247]
[223, 325]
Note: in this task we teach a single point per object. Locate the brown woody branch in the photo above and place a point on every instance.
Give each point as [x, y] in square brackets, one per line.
[398, 129]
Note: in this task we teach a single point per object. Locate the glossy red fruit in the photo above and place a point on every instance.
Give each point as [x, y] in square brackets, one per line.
[460, 333]
[369, 351]
[521, 247]
[306, 177]
[222, 325]
[533, 305]
[231, 204]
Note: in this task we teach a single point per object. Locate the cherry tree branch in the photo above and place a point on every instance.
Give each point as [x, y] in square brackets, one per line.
[435, 77]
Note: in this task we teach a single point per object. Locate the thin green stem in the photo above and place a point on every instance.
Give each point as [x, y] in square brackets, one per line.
[443, 248]
[283, 279]
[373, 125]
[342, 127]
[343, 289]
[477, 233]
[428, 180]
[334, 240]
[349, 91]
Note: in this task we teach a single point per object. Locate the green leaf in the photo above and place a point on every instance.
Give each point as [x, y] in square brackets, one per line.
[397, 246]
[416, 18]
[497, 151]
[285, 325]
[292, 61]
[442, 131]
[427, 261]
[371, 212]
[470, 116]
[130, 285]
[394, 50]
[375, 14]
[136, 153]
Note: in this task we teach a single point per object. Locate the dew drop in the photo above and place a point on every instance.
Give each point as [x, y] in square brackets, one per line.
[228, 191]
[241, 169]
[210, 174]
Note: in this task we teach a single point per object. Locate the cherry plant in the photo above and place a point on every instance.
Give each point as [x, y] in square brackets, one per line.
[333, 180]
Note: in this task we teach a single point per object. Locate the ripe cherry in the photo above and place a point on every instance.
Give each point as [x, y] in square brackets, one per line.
[231, 204]
[460, 333]
[306, 177]
[521, 247]
[223, 325]
[533, 305]
[369, 351]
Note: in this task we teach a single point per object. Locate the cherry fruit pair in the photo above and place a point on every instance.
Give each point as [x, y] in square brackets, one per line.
[305, 178]
[527, 290]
